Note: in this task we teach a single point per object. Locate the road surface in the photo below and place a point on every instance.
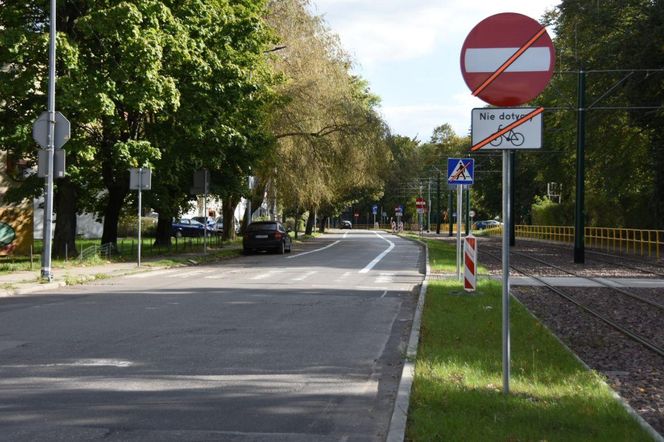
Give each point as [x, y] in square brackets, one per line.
[298, 347]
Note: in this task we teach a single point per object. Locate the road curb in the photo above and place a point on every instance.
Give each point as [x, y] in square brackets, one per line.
[398, 421]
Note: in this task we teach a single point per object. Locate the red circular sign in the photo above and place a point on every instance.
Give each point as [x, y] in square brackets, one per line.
[507, 59]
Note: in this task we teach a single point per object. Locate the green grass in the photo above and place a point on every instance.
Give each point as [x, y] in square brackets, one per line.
[180, 250]
[457, 393]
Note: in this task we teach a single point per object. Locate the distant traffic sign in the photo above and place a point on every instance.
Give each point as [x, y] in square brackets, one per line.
[460, 170]
[487, 121]
[507, 59]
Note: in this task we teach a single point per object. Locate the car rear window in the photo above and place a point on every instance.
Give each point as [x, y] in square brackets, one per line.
[253, 227]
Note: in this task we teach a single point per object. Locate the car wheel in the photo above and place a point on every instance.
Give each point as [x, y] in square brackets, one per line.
[247, 251]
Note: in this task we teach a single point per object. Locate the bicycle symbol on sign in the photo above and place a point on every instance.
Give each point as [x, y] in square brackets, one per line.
[515, 138]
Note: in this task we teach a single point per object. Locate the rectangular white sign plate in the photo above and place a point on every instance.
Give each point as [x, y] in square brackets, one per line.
[488, 121]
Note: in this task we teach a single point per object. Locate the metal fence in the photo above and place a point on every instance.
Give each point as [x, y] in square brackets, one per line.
[611, 239]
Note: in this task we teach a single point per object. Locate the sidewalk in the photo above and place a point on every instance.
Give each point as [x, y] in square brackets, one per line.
[24, 282]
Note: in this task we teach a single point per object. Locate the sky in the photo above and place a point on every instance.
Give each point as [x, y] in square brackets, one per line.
[409, 52]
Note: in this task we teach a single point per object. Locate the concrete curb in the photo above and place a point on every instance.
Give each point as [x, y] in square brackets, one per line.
[398, 421]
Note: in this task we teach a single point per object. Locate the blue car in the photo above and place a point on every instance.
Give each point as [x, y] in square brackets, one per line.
[188, 227]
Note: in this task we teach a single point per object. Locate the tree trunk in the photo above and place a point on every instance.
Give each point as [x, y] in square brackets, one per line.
[64, 239]
[310, 223]
[228, 209]
[163, 234]
[116, 198]
[321, 227]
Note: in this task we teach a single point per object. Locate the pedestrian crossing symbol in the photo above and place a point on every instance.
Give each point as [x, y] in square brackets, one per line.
[460, 170]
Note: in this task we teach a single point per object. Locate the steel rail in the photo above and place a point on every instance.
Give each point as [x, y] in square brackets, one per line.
[596, 280]
[632, 335]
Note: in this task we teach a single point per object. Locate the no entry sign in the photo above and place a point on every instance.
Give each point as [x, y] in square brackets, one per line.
[507, 59]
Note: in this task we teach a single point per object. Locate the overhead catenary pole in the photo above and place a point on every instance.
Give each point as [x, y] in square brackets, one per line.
[48, 203]
[438, 220]
[429, 206]
[579, 222]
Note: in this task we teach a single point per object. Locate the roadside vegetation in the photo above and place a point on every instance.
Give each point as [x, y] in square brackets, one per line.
[457, 392]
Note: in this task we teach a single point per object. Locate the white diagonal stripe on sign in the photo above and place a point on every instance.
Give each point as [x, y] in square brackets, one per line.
[535, 59]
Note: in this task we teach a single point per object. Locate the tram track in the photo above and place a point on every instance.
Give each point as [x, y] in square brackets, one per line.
[635, 336]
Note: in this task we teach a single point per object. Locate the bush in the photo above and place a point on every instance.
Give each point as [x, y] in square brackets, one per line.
[128, 226]
[547, 213]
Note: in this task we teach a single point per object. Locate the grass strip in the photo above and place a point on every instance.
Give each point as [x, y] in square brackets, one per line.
[457, 392]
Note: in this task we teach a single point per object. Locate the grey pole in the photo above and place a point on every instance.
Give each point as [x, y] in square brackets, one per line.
[140, 190]
[506, 272]
[48, 204]
[459, 207]
[205, 214]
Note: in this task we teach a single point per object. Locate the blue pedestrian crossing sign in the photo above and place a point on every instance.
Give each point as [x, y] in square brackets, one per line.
[460, 170]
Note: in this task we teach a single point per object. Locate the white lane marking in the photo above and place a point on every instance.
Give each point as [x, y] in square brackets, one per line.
[305, 276]
[384, 293]
[344, 276]
[151, 273]
[314, 251]
[345, 235]
[379, 257]
[384, 278]
[370, 288]
[190, 273]
[215, 276]
[266, 274]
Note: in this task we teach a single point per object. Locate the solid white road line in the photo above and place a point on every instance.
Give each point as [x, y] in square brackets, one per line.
[379, 257]
[314, 251]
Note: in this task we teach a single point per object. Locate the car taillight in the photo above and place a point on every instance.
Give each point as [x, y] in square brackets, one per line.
[277, 235]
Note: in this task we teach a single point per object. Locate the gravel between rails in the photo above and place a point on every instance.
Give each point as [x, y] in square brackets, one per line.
[636, 373]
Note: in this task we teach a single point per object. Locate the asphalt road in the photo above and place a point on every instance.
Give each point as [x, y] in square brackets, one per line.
[298, 347]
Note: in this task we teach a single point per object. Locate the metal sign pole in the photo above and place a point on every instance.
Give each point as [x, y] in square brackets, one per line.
[459, 204]
[205, 214]
[140, 190]
[506, 272]
[48, 204]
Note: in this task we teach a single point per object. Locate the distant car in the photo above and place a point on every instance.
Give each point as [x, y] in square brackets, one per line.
[212, 224]
[346, 224]
[188, 227]
[487, 224]
[266, 235]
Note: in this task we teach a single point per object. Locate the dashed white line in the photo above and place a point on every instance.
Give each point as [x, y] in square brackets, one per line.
[151, 273]
[305, 276]
[266, 274]
[314, 251]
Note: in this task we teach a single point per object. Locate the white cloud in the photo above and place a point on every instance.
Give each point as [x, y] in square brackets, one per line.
[420, 119]
[409, 52]
[394, 30]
